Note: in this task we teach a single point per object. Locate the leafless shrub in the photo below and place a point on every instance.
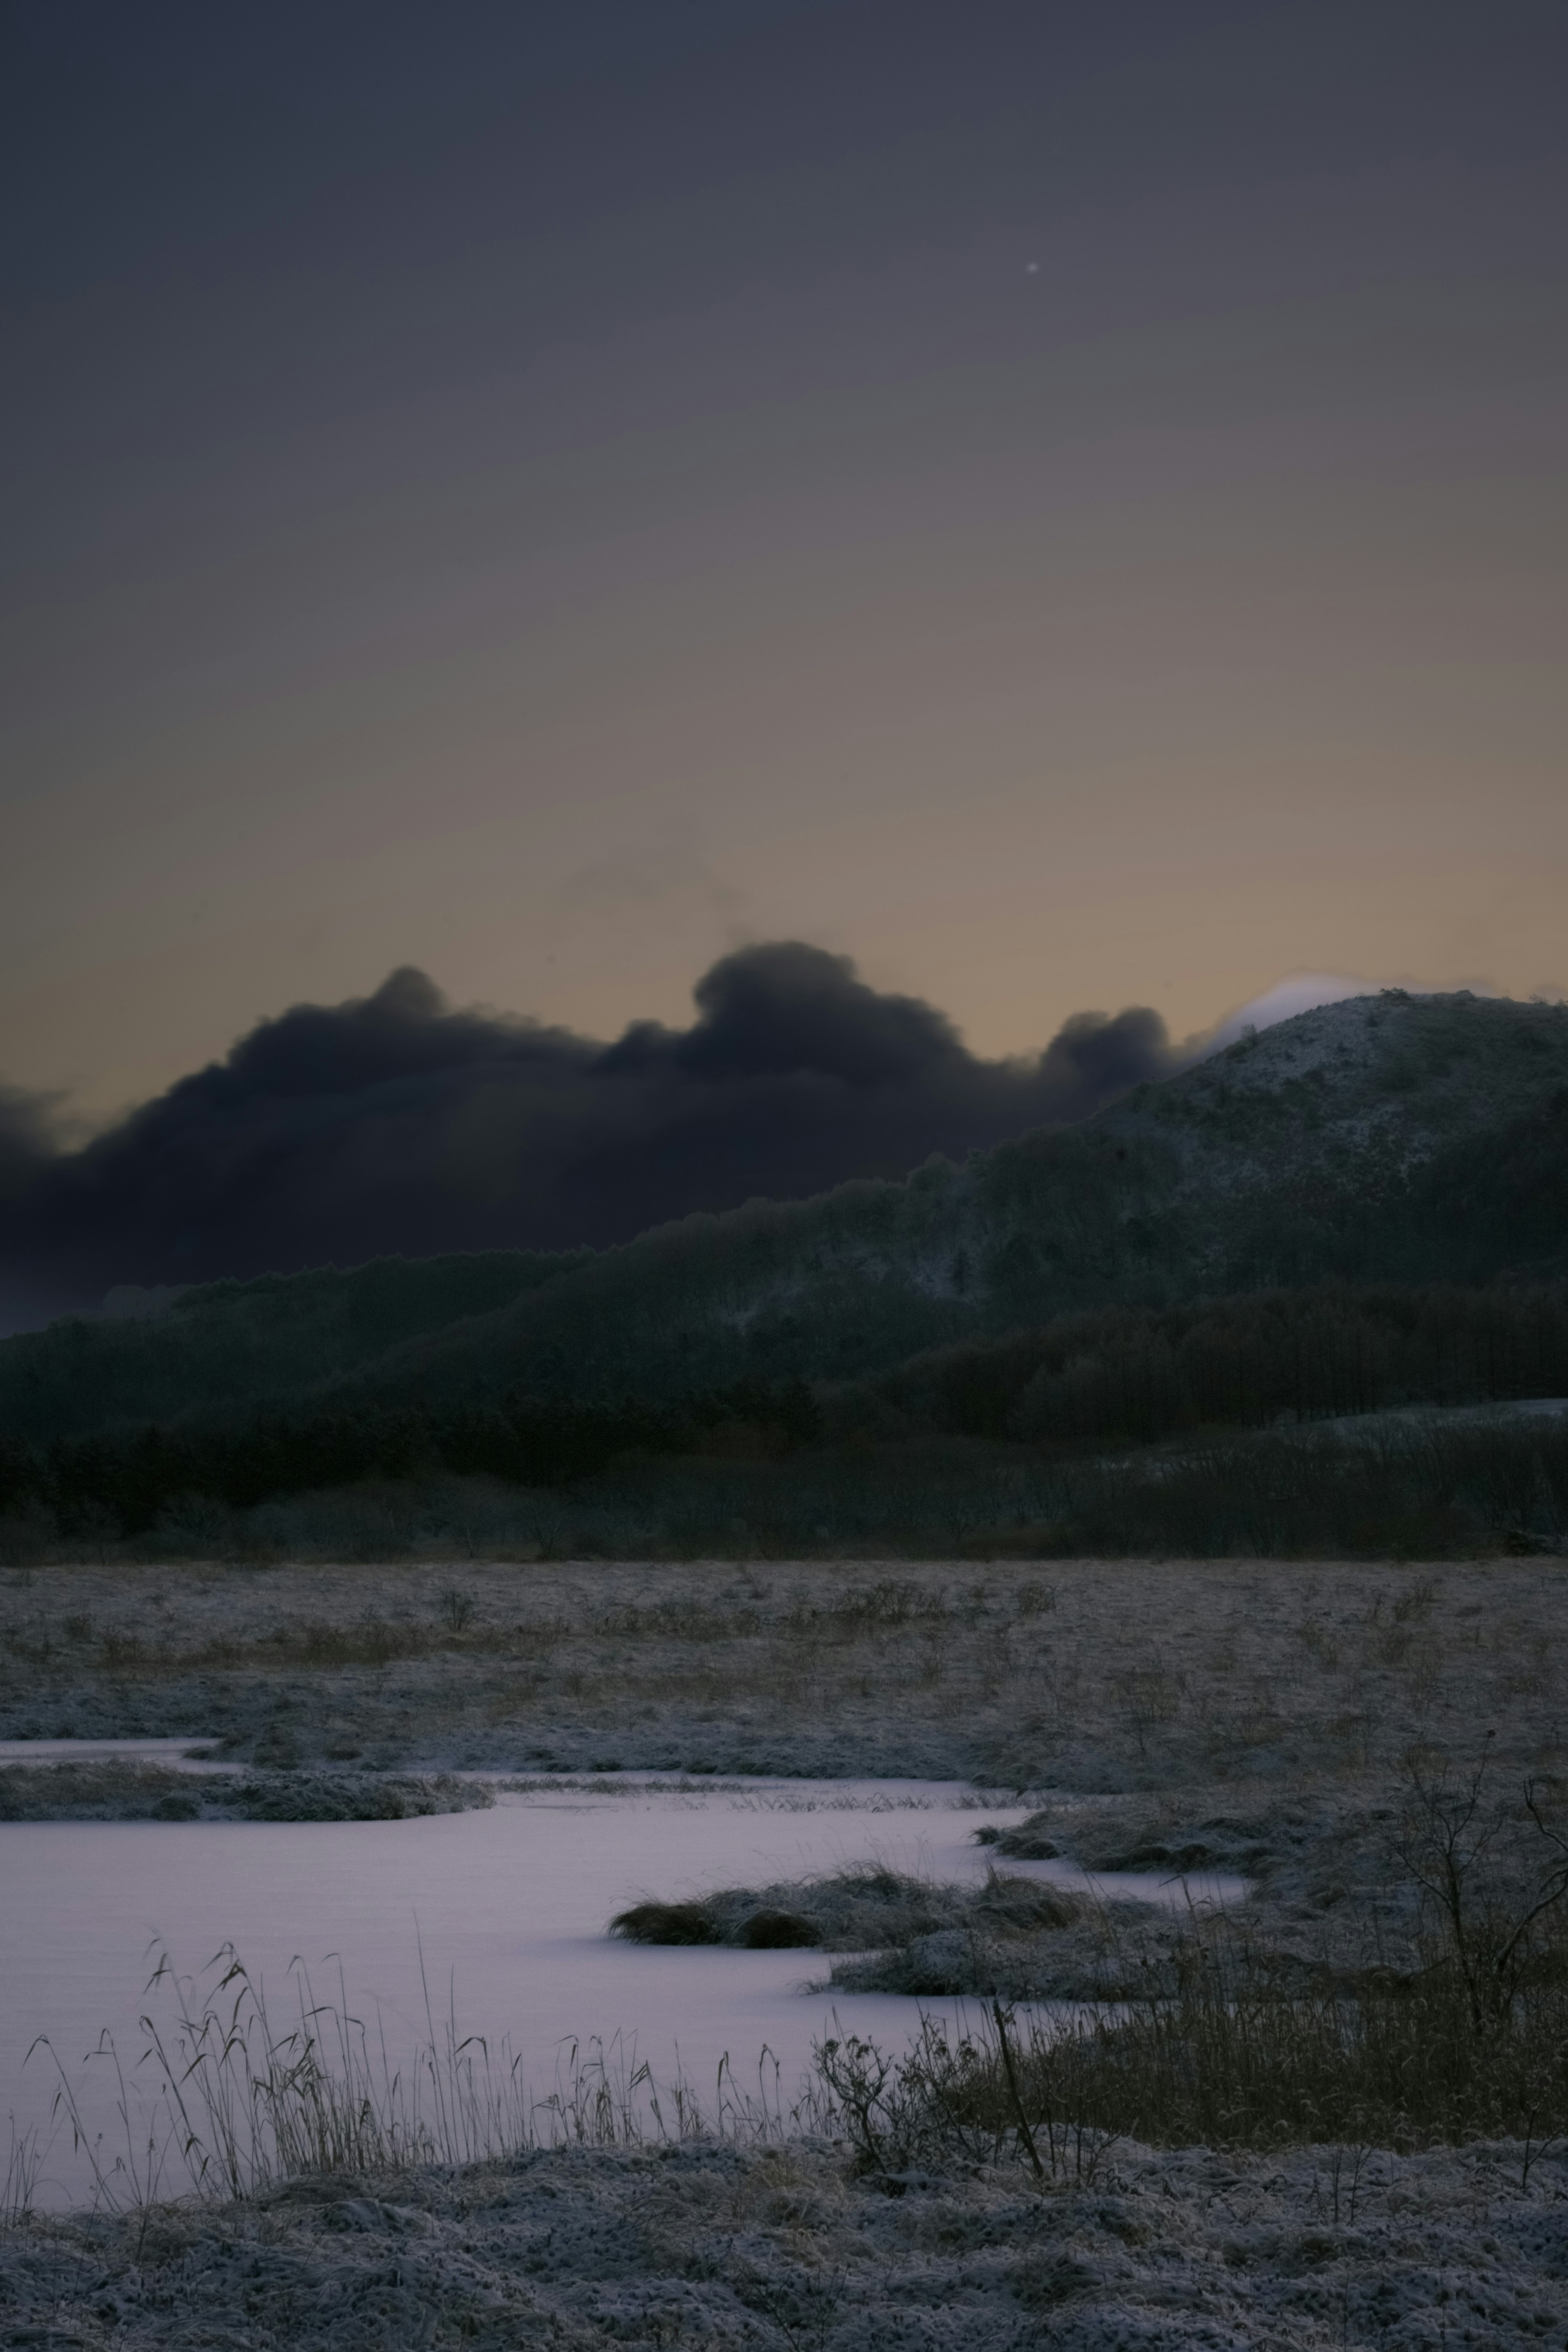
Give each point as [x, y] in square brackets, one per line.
[1226, 2061]
[1219, 2041]
[457, 1609]
[1494, 1874]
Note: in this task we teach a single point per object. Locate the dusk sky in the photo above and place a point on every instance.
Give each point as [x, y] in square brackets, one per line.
[1064, 505]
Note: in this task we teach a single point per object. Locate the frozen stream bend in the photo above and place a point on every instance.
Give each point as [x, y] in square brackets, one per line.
[505, 1910]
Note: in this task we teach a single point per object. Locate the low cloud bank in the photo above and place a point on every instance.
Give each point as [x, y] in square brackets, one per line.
[395, 1123]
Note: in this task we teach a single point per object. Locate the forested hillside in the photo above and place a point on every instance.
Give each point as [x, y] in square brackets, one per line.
[223, 1347]
[1392, 1139]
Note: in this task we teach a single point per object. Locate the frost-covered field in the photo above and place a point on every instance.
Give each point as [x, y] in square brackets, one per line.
[1264, 1714]
[1090, 1675]
[780, 2247]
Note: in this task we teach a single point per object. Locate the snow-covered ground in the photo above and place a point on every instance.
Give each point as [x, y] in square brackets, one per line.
[722, 2250]
[1087, 1674]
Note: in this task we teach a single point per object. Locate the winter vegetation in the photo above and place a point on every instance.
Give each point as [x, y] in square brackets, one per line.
[890, 2207]
[116, 1789]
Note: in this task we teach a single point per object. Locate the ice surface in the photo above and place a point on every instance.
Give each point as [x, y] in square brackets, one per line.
[509, 1910]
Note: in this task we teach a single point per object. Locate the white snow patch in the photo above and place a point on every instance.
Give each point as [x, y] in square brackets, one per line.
[1299, 992]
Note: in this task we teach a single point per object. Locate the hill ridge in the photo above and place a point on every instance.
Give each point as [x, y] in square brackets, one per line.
[1393, 1136]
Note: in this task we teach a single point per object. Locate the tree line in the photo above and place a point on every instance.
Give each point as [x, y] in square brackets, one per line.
[121, 1481]
[1133, 1375]
[1080, 1384]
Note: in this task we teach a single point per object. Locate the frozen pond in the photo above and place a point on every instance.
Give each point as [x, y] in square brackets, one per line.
[509, 1906]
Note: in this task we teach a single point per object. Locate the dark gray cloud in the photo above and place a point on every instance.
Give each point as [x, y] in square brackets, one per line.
[26, 1142]
[395, 1123]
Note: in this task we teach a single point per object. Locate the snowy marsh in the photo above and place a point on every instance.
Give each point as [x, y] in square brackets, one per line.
[1094, 1735]
[992, 2184]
